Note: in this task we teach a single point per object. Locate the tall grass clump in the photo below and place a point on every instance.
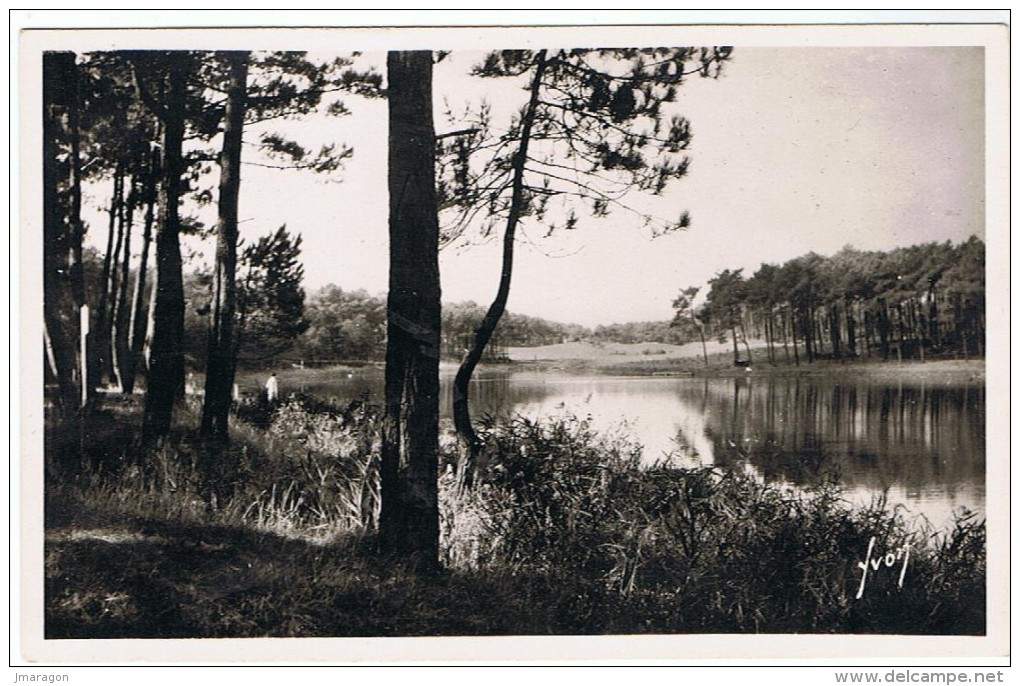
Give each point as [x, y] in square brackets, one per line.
[667, 549]
[301, 468]
[317, 467]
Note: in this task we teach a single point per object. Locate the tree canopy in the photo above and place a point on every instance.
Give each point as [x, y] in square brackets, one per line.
[913, 301]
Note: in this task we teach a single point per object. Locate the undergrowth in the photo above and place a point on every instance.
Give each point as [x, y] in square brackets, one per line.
[564, 533]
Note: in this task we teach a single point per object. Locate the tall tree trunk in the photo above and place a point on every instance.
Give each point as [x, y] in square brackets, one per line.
[920, 326]
[849, 311]
[139, 317]
[979, 334]
[222, 359]
[100, 367]
[409, 519]
[793, 335]
[63, 281]
[934, 332]
[786, 344]
[769, 330]
[884, 328]
[869, 329]
[166, 361]
[121, 314]
[808, 322]
[470, 443]
[835, 335]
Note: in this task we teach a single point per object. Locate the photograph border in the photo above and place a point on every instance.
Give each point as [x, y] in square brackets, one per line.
[27, 453]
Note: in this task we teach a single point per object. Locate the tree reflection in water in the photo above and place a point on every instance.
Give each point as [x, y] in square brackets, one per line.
[923, 444]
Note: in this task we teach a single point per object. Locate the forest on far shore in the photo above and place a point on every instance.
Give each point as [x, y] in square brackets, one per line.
[920, 301]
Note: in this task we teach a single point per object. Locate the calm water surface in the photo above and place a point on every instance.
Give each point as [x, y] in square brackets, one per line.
[920, 443]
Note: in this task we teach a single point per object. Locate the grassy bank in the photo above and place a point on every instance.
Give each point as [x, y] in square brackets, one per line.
[653, 359]
[645, 359]
[941, 371]
[273, 536]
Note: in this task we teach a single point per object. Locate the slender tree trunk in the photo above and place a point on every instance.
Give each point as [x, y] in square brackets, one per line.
[222, 360]
[901, 318]
[63, 282]
[139, 317]
[769, 331]
[793, 335]
[869, 329]
[786, 344]
[834, 332]
[849, 311]
[166, 362]
[884, 328]
[100, 366]
[701, 335]
[122, 305]
[934, 332]
[409, 519]
[920, 327]
[470, 443]
[809, 334]
[77, 260]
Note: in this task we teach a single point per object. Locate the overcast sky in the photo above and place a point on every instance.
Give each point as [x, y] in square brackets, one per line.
[795, 149]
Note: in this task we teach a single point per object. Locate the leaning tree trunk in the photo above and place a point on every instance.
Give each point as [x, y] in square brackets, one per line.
[747, 347]
[470, 443]
[166, 361]
[222, 359]
[409, 519]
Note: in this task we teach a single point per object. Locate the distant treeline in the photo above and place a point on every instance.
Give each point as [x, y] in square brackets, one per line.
[351, 325]
[923, 300]
[640, 332]
[910, 302]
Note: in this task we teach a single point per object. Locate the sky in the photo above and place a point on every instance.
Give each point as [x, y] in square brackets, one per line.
[795, 149]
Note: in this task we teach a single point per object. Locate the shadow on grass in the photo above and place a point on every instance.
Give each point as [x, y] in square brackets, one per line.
[151, 579]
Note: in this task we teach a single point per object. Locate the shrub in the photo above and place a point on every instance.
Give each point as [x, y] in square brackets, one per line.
[671, 549]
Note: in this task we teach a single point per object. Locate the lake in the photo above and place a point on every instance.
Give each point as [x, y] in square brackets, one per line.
[922, 443]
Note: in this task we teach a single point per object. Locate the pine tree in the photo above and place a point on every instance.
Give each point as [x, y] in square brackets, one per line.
[409, 520]
[594, 129]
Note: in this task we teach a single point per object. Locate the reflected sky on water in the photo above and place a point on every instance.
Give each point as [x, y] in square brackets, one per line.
[920, 443]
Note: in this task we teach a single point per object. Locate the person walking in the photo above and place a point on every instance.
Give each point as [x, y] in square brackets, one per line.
[272, 388]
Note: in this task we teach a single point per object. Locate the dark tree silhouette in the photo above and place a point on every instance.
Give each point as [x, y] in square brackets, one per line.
[222, 358]
[63, 280]
[283, 85]
[161, 83]
[409, 520]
